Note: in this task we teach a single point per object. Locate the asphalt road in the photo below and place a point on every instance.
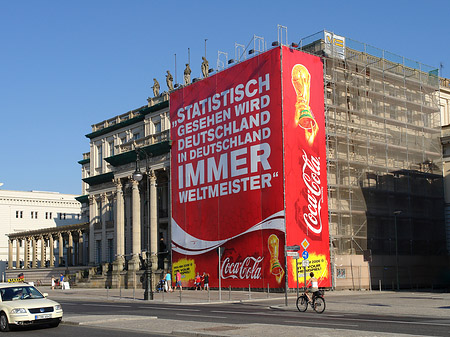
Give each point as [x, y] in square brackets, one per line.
[232, 316]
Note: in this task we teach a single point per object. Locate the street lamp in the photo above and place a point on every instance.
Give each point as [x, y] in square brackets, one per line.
[396, 213]
[137, 175]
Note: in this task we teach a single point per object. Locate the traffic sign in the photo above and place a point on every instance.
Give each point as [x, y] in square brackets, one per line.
[292, 254]
[305, 263]
[305, 255]
[305, 244]
[296, 247]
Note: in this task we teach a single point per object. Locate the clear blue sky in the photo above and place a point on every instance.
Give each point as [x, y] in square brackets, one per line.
[66, 65]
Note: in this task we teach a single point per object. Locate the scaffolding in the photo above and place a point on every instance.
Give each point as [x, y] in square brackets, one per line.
[384, 155]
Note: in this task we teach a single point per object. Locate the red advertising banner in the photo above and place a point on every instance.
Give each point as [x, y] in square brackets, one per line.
[227, 176]
[305, 165]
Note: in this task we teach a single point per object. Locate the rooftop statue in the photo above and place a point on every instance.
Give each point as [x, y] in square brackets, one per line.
[155, 88]
[205, 67]
[187, 75]
[169, 80]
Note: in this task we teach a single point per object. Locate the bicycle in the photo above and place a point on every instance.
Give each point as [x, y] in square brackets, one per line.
[317, 302]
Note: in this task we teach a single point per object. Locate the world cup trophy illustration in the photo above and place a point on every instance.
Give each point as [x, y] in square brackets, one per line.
[301, 80]
[275, 267]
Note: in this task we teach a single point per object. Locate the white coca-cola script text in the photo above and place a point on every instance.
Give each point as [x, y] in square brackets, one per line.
[250, 268]
[311, 178]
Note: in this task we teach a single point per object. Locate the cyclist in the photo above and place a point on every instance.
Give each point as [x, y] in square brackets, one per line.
[314, 286]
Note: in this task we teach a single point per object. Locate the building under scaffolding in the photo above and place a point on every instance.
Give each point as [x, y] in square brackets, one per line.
[384, 165]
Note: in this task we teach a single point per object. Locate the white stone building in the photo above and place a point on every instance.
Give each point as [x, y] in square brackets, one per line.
[22, 211]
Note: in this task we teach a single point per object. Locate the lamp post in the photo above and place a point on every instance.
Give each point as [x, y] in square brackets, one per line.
[137, 175]
[396, 213]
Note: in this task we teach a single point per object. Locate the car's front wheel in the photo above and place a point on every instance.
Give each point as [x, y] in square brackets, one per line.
[4, 325]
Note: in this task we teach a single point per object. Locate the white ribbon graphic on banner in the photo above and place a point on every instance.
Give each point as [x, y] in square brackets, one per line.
[186, 244]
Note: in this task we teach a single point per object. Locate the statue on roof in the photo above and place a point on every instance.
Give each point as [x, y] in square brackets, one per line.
[155, 88]
[205, 67]
[169, 80]
[187, 75]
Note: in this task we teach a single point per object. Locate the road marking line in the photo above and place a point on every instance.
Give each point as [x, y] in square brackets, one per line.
[106, 305]
[201, 316]
[390, 321]
[323, 323]
[245, 313]
[172, 309]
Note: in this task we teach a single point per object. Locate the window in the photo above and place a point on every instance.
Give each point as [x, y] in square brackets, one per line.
[111, 148]
[110, 211]
[19, 214]
[99, 211]
[34, 215]
[48, 215]
[99, 156]
[62, 216]
[340, 273]
[136, 136]
[158, 127]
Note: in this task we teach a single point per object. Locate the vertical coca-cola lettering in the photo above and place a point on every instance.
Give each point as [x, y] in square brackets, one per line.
[311, 178]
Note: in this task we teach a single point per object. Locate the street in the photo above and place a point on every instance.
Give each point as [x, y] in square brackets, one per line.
[355, 314]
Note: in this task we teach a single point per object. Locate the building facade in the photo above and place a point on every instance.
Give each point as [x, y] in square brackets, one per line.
[127, 216]
[29, 212]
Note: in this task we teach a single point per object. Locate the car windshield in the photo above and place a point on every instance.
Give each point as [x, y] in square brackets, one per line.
[19, 293]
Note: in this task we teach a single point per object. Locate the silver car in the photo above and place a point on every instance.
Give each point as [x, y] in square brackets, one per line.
[22, 304]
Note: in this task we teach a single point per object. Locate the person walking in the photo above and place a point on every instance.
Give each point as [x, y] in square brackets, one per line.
[61, 281]
[178, 281]
[205, 281]
[53, 282]
[198, 282]
[168, 284]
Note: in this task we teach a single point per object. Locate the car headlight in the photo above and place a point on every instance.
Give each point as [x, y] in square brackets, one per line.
[58, 307]
[19, 311]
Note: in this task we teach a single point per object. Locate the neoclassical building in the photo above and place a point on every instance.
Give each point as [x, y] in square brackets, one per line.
[123, 224]
[31, 222]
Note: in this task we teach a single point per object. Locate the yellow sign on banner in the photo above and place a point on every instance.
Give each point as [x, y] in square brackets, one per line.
[186, 267]
[317, 264]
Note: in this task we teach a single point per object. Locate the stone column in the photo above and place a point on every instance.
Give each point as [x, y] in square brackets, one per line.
[92, 220]
[128, 219]
[10, 254]
[26, 253]
[136, 233]
[34, 261]
[153, 221]
[52, 247]
[119, 223]
[70, 250]
[60, 249]
[80, 248]
[42, 252]
[103, 219]
[18, 253]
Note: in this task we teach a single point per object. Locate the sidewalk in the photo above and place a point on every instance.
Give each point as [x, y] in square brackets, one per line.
[426, 305]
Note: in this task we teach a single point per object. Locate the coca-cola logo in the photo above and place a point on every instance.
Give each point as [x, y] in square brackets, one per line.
[311, 178]
[249, 268]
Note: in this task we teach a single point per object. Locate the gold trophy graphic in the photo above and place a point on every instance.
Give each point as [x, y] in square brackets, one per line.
[301, 80]
[275, 267]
